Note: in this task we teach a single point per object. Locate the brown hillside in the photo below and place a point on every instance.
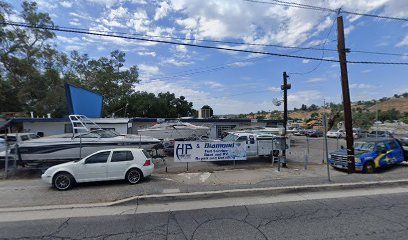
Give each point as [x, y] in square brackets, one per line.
[399, 104]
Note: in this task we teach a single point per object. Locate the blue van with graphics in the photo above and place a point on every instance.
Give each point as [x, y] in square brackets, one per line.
[370, 154]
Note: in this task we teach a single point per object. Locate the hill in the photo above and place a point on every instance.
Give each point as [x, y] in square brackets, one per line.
[399, 104]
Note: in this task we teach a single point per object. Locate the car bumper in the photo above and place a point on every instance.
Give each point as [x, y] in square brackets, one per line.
[148, 170]
[358, 166]
[46, 178]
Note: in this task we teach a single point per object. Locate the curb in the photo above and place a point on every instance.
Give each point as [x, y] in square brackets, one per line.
[234, 193]
[270, 191]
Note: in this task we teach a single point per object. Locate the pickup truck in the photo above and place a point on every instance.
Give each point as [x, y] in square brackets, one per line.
[258, 144]
[370, 154]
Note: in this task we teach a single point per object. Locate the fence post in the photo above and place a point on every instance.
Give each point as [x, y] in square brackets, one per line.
[326, 147]
[80, 146]
[6, 159]
[307, 152]
[272, 157]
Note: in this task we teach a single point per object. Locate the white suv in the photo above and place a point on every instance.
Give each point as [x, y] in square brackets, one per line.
[131, 164]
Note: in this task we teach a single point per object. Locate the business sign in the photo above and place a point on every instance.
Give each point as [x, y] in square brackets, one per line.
[192, 151]
[83, 102]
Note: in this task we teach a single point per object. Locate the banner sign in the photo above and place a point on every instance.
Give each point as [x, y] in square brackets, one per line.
[193, 151]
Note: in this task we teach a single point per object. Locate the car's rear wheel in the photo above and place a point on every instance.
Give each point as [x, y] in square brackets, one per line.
[134, 176]
[63, 181]
[369, 168]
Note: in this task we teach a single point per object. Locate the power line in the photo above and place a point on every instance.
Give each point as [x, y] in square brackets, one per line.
[317, 8]
[315, 47]
[318, 65]
[52, 28]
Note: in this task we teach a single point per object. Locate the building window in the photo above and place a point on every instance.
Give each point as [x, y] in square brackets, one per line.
[223, 129]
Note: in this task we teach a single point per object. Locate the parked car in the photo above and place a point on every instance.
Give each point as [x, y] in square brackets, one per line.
[314, 133]
[380, 134]
[130, 164]
[370, 154]
[300, 132]
[336, 133]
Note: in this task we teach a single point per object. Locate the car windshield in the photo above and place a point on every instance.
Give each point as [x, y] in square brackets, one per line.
[230, 138]
[364, 146]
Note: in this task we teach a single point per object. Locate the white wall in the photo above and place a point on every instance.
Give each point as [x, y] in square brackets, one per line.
[55, 128]
[48, 128]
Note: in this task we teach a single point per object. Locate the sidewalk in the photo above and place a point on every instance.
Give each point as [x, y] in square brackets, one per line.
[33, 192]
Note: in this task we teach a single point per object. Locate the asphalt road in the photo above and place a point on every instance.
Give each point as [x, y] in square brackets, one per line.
[366, 217]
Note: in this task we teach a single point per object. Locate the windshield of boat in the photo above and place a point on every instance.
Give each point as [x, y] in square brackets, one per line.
[364, 146]
[230, 138]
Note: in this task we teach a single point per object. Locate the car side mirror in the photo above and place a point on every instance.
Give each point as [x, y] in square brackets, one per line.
[341, 147]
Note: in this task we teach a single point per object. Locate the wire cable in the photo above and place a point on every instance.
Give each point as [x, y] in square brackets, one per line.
[52, 28]
[317, 8]
[325, 41]
[226, 42]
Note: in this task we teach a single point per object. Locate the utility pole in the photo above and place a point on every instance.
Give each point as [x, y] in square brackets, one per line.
[285, 88]
[348, 122]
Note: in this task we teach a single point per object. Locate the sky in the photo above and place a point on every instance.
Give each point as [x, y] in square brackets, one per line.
[232, 82]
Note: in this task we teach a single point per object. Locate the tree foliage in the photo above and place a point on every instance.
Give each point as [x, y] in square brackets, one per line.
[33, 73]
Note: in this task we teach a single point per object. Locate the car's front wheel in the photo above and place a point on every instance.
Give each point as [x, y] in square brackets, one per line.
[369, 168]
[63, 181]
[134, 176]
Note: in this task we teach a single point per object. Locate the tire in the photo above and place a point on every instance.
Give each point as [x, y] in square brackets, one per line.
[63, 181]
[134, 176]
[369, 168]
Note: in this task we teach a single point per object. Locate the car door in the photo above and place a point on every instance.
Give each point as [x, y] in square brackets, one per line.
[381, 151]
[252, 149]
[93, 168]
[394, 153]
[119, 163]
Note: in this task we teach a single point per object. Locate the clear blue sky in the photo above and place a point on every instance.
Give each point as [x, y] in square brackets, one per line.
[246, 86]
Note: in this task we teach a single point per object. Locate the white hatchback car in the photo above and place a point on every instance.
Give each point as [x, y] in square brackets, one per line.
[131, 164]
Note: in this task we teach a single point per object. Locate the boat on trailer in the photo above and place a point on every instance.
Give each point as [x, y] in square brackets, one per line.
[86, 138]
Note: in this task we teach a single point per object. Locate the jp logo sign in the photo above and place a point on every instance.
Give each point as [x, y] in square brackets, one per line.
[182, 150]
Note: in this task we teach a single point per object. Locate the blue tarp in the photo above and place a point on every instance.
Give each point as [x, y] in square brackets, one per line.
[83, 102]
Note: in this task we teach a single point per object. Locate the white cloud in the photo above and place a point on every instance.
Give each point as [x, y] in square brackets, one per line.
[181, 48]
[147, 71]
[138, 1]
[66, 4]
[274, 89]
[361, 86]
[73, 23]
[403, 42]
[367, 70]
[213, 84]
[305, 61]
[162, 11]
[296, 99]
[316, 80]
[241, 64]
[266, 22]
[146, 53]
[220, 104]
[176, 62]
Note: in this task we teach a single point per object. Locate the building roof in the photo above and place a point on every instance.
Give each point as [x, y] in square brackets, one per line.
[150, 120]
